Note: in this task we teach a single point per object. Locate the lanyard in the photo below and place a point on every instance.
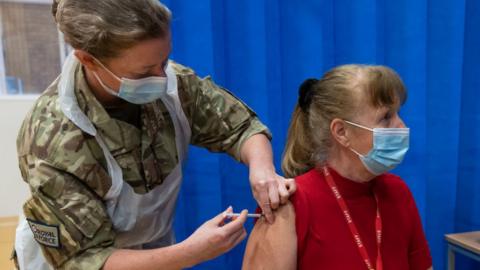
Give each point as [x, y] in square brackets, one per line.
[353, 229]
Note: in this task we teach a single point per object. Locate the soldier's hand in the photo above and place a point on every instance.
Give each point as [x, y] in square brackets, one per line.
[216, 237]
[270, 190]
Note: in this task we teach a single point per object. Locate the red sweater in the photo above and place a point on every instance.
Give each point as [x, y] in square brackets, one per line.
[324, 239]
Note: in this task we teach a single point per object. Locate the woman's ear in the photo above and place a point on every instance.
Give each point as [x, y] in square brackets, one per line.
[340, 132]
[87, 60]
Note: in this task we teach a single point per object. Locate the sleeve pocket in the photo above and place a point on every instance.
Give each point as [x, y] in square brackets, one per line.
[80, 222]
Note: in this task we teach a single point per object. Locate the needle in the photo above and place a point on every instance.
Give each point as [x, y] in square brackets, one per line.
[230, 215]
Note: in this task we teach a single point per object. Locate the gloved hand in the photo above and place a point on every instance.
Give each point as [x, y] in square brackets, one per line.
[216, 237]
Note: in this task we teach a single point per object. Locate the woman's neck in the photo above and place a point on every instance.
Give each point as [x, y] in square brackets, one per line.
[348, 165]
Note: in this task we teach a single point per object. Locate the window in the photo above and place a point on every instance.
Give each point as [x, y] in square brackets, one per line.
[32, 48]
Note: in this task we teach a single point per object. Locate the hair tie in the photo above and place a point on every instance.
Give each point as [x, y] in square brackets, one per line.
[305, 93]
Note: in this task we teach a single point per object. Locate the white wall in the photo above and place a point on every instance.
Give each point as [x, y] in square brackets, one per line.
[13, 191]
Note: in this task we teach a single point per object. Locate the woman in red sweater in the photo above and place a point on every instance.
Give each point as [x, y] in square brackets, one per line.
[348, 212]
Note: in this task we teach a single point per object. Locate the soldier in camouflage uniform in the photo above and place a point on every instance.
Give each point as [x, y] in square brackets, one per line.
[70, 213]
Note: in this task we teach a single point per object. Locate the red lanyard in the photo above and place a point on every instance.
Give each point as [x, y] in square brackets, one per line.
[353, 228]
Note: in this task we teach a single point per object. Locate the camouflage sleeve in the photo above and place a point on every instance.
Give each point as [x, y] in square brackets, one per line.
[219, 121]
[68, 220]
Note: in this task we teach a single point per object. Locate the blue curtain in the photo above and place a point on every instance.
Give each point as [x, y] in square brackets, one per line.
[262, 51]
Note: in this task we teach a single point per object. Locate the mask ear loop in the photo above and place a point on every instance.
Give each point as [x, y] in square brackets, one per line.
[358, 125]
[357, 153]
[108, 70]
[106, 88]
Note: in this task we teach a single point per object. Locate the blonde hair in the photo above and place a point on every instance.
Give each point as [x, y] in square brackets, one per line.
[104, 28]
[335, 95]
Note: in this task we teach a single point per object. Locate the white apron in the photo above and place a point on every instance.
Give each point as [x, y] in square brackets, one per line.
[140, 220]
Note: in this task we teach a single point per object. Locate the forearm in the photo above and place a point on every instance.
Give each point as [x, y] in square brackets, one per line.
[169, 258]
[256, 152]
[269, 189]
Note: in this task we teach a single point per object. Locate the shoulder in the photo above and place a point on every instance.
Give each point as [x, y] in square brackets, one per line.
[181, 70]
[186, 77]
[393, 186]
[48, 135]
[309, 183]
[206, 96]
[392, 182]
[311, 190]
[189, 86]
[41, 127]
[46, 129]
[189, 83]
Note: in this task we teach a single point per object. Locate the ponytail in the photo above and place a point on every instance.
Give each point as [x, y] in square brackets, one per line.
[297, 157]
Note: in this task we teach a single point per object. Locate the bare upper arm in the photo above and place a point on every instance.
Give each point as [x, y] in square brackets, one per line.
[273, 246]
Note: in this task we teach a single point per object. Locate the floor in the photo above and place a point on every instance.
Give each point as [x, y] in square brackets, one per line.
[7, 237]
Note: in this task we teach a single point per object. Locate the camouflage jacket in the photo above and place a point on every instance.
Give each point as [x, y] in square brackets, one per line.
[66, 170]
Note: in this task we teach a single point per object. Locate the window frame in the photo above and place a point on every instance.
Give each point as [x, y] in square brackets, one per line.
[63, 50]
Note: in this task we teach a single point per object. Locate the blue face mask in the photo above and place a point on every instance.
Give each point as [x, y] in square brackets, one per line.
[389, 148]
[139, 91]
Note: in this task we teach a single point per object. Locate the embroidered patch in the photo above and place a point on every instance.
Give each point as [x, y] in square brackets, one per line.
[46, 235]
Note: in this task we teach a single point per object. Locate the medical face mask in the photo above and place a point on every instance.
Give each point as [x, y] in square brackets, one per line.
[139, 91]
[389, 148]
